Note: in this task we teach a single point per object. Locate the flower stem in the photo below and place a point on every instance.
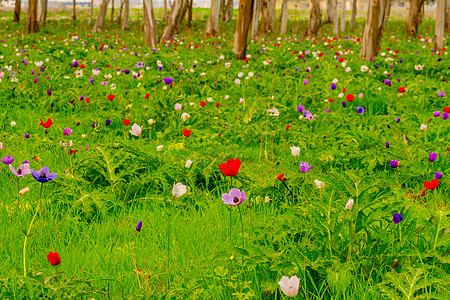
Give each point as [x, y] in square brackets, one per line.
[168, 246]
[28, 233]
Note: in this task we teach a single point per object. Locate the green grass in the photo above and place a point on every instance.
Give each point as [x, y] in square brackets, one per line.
[184, 250]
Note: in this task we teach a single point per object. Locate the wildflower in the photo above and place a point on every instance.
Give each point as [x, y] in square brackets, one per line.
[397, 218]
[108, 122]
[1, 146]
[281, 177]
[178, 190]
[289, 286]
[418, 67]
[139, 226]
[151, 122]
[304, 167]
[387, 144]
[8, 160]
[438, 175]
[160, 147]
[445, 115]
[178, 106]
[295, 151]
[360, 110]
[231, 167]
[441, 94]
[344, 104]
[431, 185]
[53, 258]
[167, 80]
[319, 184]
[187, 132]
[27, 135]
[43, 175]
[273, 112]
[21, 171]
[234, 197]
[188, 164]
[300, 108]
[136, 130]
[185, 116]
[333, 86]
[349, 204]
[67, 131]
[24, 191]
[111, 97]
[13, 123]
[94, 125]
[349, 97]
[401, 89]
[126, 122]
[432, 157]
[436, 114]
[423, 127]
[394, 163]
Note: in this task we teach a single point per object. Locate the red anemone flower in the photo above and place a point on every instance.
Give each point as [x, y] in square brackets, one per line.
[401, 89]
[53, 258]
[231, 167]
[281, 177]
[72, 151]
[111, 97]
[126, 122]
[187, 132]
[349, 97]
[46, 124]
[202, 103]
[431, 185]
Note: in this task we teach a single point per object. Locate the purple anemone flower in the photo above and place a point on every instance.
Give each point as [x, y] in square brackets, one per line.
[8, 160]
[344, 104]
[394, 163]
[108, 122]
[234, 197]
[49, 92]
[67, 131]
[139, 226]
[441, 94]
[333, 86]
[300, 108]
[387, 144]
[360, 110]
[445, 116]
[432, 157]
[438, 175]
[304, 167]
[167, 80]
[21, 171]
[397, 120]
[397, 218]
[436, 114]
[43, 175]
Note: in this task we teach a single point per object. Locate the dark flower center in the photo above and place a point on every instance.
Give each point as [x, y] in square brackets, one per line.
[19, 171]
[43, 175]
[236, 200]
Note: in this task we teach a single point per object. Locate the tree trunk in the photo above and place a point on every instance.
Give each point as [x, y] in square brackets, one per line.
[264, 26]
[329, 18]
[415, 7]
[335, 18]
[92, 12]
[227, 11]
[281, 13]
[74, 10]
[314, 19]
[165, 11]
[112, 11]
[126, 15]
[119, 14]
[149, 25]
[284, 17]
[191, 3]
[255, 18]
[242, 26]
[373, 29]
[32, 16]
[43, 19]
[354, 8]
[101, 16]
[175, 18]
[344, 10]
[447, 17]
[272, 14]
[387, 13]
[212, 24]
[17, 12]
[440, 19]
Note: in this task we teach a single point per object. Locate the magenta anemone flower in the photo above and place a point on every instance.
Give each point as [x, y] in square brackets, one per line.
[234, 197]
[21, 171]
[167, 80]
[43, 175]
[139, 226]
[67, 131]
[432, 157]
[304, 167]
[8, 160]
[394, 163]
[397, 218]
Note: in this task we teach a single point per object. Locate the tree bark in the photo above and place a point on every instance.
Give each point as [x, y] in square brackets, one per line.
[335, 18]
[32, 16]
[344, 10]
[314, 19]
[264, 26]
[101, 16]
[447, 16]
[189, 21]
[175, 18]
[74, 10]
[149, 25]
[165, 11]
[126, 15]
[329, 18]
[354, 9]
[227, 11]
[112, 11]
[212, 25]
[17, 12]
[373, 29]
[43, 18]
[387, 13]
[284, 17]
[415, 8]
[440, 20]
[242, 26]
[272, 13]
[120, 12]
[92, 12]
[255, 18]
